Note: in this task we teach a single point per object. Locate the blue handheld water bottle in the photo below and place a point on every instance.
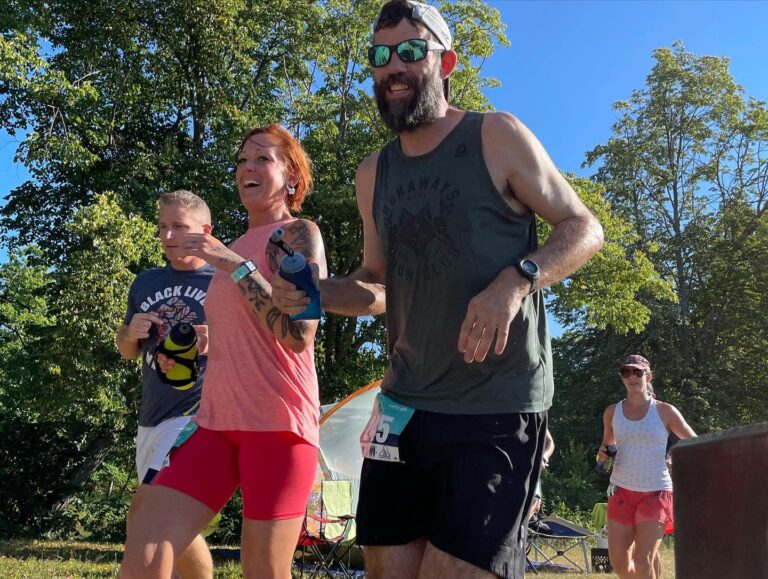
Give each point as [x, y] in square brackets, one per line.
[295, 269]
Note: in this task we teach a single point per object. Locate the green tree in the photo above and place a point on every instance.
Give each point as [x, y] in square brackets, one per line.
[138, 97]
[686, 167]
[655, 167]
[685, 174]
[605, 292]
[66, 395]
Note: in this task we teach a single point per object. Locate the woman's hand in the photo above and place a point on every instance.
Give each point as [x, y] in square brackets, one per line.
[202, 339]
[164, 362]
[213, 251]
[602, 454]
[287, 297]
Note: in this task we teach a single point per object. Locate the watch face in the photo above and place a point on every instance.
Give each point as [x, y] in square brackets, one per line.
[529, 266]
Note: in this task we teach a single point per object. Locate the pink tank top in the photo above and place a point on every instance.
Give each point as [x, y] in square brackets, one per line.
[252, 382]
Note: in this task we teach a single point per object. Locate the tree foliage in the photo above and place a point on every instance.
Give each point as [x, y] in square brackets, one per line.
[121, 101]
[686, 167]
[136, 98]
[605, 292]
[66, 395]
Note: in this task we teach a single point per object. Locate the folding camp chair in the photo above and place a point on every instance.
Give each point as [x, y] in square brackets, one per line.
[327, 538]
[556, 542]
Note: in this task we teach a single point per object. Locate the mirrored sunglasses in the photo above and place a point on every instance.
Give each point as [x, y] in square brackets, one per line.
[411, 50]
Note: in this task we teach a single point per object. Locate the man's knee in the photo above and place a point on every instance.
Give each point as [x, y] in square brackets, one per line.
[394, 561]
[439, 564]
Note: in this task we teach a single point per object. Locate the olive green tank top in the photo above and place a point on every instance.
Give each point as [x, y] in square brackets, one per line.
[447, 233]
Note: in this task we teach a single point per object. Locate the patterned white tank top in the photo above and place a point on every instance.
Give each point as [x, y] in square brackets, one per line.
[641, 458]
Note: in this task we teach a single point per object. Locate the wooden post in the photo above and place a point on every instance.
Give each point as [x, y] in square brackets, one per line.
[721, 504]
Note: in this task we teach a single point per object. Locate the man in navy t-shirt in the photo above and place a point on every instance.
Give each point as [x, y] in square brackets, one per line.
[159, 299]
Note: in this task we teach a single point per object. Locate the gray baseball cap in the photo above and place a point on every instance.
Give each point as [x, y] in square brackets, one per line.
[431, 18]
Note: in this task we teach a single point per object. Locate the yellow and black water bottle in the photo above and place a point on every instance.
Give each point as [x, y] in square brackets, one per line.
[181, 346]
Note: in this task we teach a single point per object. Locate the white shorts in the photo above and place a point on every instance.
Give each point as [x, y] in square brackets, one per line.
[154, 442]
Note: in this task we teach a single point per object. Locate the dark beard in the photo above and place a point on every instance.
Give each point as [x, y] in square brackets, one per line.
[422, 109]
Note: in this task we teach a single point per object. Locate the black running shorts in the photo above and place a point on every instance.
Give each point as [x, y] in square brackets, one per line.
[465, 484]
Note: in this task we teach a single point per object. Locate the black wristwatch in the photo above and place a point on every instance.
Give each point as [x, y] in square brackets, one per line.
[529, 269]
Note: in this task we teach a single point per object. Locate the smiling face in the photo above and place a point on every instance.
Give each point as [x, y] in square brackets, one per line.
[262, 178]
[175, 220]
[409, 95]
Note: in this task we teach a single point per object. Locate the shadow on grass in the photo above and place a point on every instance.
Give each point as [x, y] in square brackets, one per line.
[61, 551]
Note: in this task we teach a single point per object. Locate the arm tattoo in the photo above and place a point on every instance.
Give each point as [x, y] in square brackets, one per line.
[225, 254]
[301, 238]
[272, 258]
[255, 293]
[278, 323]
[273, 316]
[298, 330]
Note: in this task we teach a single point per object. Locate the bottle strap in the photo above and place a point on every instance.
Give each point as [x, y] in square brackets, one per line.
[175, 355]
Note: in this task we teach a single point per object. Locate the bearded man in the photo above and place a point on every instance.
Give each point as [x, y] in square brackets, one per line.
[454, 447]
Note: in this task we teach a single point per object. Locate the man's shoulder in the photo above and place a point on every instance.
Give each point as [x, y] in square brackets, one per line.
[502, 123]
[367, 167]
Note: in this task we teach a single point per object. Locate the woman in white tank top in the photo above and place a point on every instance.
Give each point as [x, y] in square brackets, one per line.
[640, 501]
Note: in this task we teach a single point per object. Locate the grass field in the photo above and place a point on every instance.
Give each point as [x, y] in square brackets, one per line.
[667, 561]
[75, 560]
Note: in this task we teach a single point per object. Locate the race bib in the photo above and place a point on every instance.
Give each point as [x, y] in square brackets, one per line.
[380, 438]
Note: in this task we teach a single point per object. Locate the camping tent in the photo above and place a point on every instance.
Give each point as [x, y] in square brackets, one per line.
[340, 428]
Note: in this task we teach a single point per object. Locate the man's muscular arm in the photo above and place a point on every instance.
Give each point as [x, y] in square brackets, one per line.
[520, 166]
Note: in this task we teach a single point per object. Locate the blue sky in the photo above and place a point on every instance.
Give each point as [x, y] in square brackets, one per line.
[570, 61]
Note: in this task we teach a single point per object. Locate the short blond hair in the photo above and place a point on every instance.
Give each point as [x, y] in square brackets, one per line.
[186, 199]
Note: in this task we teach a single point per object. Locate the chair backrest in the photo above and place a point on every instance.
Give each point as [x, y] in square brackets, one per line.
[564, 528]
[599, 516]
[336, 501]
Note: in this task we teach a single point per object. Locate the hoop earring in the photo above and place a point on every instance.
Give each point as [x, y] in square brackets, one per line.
[291, 189]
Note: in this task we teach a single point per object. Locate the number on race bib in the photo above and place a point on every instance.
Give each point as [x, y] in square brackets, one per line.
[380, 438]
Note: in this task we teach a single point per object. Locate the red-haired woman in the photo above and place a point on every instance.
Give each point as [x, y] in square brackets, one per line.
[257, 426]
